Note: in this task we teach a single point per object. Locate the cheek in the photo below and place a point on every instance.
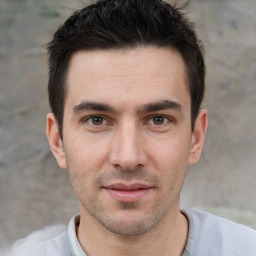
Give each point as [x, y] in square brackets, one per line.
[84, 159]
[171, 162]
[171, 153]
[86, 150]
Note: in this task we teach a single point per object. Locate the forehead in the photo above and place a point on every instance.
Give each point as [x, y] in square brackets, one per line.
[117, 75]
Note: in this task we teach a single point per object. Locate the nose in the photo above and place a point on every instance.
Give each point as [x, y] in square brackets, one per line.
[127, 148]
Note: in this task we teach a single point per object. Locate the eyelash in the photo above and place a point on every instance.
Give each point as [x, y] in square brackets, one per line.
[150, 120]
[87, 120]
[165, 120]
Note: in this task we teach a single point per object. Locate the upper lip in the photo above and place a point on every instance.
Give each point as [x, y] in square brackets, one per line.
[128, 187]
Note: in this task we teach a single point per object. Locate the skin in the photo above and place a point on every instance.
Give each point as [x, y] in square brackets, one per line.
[127, 120]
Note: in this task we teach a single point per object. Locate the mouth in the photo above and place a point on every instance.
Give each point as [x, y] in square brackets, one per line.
[128, 192]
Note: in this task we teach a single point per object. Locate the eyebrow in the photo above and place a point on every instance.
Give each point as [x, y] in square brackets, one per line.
[87, 105]
[165, 104]
[151, 107]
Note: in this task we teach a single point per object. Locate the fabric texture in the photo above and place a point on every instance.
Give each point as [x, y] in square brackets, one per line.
[74, 244]
[50, 241]
[216, 236]
[209, 235]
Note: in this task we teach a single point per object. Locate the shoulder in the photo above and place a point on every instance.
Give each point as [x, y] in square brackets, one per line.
[223, 233]
[48, 241]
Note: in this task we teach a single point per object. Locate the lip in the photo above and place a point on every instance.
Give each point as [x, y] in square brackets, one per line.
[128, 192]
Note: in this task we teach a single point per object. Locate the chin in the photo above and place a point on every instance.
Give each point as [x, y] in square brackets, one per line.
[129, 223]
[129, 228]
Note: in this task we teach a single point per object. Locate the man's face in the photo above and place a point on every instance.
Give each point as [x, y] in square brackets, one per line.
[127, 136]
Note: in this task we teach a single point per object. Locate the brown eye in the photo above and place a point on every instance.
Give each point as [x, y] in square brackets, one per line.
[97, 120]
[159, 120]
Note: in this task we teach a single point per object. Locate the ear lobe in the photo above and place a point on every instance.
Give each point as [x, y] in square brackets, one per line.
[198, 136]
[54, 139]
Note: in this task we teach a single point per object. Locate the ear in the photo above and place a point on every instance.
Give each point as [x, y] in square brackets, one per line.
[198, 135]
[56, 145]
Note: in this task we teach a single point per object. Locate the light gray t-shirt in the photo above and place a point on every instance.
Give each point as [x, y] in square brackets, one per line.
[215, 236]
[209, 235]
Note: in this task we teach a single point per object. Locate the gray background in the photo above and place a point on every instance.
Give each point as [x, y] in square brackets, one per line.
[34, 192]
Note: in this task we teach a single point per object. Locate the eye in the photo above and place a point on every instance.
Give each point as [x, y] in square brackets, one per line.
[158, 120]
[96, 120]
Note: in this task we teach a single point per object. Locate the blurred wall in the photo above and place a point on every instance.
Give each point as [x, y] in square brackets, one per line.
[34, 192]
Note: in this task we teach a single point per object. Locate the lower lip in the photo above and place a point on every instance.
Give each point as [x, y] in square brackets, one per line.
[128, 196]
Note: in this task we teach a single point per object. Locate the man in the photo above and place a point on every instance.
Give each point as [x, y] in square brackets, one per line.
[126, 82]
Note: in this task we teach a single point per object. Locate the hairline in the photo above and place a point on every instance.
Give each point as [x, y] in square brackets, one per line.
[121, 48]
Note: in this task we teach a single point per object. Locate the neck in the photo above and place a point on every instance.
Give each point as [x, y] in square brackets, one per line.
[167, 238]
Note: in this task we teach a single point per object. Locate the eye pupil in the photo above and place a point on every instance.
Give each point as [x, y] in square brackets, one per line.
[97, 120]
[158, 120]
